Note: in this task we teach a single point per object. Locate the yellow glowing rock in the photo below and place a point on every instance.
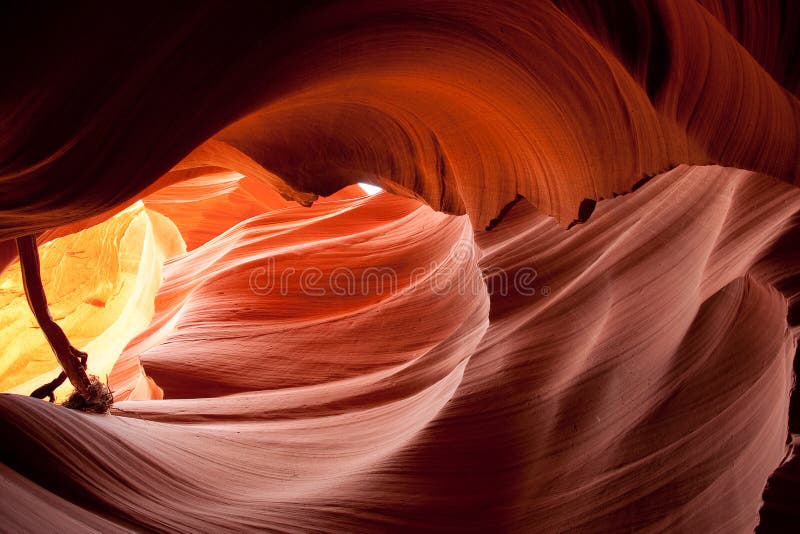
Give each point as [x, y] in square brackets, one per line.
[100, 284]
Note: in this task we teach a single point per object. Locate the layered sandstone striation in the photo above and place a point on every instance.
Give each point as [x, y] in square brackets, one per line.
[288, 353]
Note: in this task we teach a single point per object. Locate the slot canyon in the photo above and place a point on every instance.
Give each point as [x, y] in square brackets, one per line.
[400, 266]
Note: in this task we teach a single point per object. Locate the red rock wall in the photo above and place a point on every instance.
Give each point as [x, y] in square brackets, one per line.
[637, 377]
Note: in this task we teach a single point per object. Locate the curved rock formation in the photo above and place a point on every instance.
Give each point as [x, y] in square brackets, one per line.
[100, 283]
[290, 354]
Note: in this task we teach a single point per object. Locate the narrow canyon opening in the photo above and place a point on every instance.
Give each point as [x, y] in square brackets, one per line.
[259, 293]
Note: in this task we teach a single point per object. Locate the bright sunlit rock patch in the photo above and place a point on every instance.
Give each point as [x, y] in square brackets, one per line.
[369, 188]
[100, 284]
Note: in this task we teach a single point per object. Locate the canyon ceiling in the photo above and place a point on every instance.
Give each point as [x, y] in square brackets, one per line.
[588, 239]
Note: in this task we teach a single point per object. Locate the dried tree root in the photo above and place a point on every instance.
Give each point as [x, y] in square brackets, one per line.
[71, 359]
[48, 390]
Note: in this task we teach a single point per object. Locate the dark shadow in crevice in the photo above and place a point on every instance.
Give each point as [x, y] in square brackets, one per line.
[644, 180]
[503, 212]
[585, 211]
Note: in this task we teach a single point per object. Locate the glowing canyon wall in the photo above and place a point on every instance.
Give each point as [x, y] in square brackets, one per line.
[590, 216]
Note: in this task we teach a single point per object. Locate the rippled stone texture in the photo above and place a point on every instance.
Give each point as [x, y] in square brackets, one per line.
[636, 377]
